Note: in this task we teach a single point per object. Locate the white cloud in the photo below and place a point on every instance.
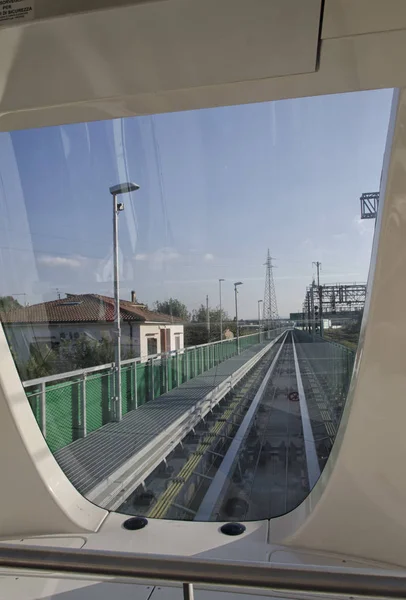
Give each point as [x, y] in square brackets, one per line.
[160, 256]
[208, 257]
[166, 255]
[59, 261]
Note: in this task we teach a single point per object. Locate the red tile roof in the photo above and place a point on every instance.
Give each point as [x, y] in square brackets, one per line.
[83, 308]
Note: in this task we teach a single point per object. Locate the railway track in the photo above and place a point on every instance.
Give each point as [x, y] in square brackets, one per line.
[248, 458]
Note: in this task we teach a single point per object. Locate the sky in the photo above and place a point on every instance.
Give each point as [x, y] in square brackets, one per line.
[218, 187]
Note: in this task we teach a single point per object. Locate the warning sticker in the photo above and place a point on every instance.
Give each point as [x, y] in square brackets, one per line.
[15, 11]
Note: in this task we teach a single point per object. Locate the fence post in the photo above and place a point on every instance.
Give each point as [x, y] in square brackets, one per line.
[106, 397]
[167, 359]
[177, 369]
[135, 384]
[42, 412]
[187, 363]
[152, 395]
[83, 424]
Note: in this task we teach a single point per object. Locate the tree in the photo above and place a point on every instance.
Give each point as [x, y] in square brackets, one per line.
[196, 331]
[69, 356]
[8, 303]
[40, 364]
[84, 353]
[172, 307]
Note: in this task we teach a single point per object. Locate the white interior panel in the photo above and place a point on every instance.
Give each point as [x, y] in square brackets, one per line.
[359, 501]
[347, 64]
[36, 497]
[356, 17]
[51, 588]
[199, 539]
[153, 47]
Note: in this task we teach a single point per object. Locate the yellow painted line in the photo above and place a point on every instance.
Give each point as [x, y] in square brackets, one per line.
[164, 503]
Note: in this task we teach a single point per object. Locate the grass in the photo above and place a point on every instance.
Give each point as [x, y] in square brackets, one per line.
[340, 336]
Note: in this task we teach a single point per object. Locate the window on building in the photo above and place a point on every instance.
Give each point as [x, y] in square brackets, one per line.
[177, 341]
[152, 345]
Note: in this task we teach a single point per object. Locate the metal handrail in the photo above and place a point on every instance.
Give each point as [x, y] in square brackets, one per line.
[127, 361]
[327, 580]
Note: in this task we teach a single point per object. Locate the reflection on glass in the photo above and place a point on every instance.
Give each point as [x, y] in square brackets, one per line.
[229, 405]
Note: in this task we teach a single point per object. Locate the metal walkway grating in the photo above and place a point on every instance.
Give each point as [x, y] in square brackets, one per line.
[90, 460]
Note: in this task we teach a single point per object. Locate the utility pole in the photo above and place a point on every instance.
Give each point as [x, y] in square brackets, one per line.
[270, 314]
[237, 283]
[221, 311]
[259, 318]
[208, 318]
[318, 267]
[313, 322]
[309, 316]
[320, 295]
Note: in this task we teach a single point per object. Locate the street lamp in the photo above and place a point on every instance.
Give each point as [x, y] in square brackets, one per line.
[259, 318]
[237, 283]
[116, 190]
[221, 314]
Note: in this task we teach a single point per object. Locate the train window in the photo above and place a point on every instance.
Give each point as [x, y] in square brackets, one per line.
[189, 288]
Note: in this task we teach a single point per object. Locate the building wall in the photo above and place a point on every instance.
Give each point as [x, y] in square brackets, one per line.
[134, 337]
[177, 331]
[151, 330]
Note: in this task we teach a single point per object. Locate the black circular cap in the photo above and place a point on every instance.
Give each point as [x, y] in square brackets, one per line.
[135, 523]
[232, 528]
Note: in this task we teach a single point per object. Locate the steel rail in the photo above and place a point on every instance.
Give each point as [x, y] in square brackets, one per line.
[222, 477]
[110, 491]
[312, 460]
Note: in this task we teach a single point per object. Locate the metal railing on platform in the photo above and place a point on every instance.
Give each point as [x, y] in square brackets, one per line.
[68, 406]
[124, 567]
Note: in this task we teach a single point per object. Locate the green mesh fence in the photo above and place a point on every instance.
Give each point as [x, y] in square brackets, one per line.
[34, 398]
[62, 399]
[173, 372]
[82, 404]
[332, 363]
[183, 366]
[99, 391]
[142, 383]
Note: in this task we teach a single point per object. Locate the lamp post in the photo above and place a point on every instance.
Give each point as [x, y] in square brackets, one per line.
[237, 283]
[208, 318]
[116, 190]
[221, 314]
[259, 318]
